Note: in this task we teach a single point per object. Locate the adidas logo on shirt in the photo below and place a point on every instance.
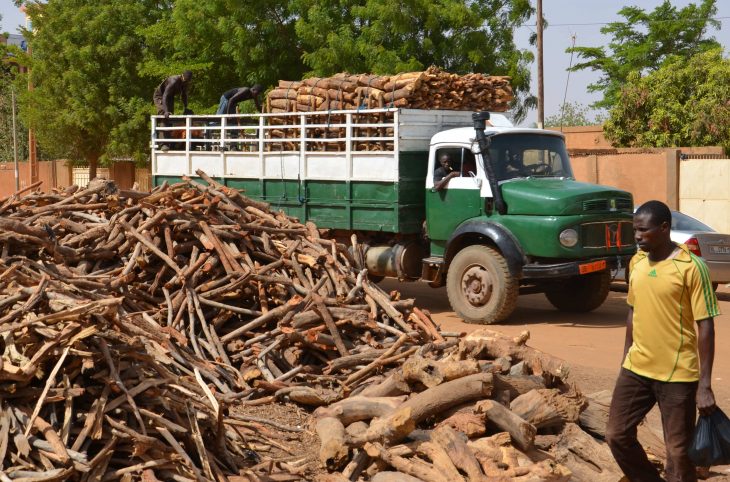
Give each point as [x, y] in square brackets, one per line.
[652, 273]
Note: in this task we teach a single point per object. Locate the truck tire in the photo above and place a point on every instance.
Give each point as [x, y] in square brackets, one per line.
[580, 294]
[480, 287]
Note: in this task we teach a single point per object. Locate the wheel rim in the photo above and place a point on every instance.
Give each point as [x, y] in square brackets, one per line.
[477, 285]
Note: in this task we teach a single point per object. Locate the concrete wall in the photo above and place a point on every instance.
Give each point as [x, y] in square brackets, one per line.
[704, 191]
[52, 173]
[59, 174]
[694, 180]
[584, 137]
[647, 173]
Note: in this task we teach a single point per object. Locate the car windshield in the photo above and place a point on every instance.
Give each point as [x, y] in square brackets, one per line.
[682, 222]
[529, 155]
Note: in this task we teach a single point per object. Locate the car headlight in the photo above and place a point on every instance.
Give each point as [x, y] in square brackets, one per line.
[569, 238]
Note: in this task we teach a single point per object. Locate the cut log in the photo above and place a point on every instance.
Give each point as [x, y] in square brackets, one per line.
[427, 403]
[518, 385]
[485, 343]
[393, 385]
[586, 457]
[548, 407]
[358, 408]
[431, 373]
[333, 451]
[356, 429]
[440, 459]
[414, 467]
[389, 476]
[594, 417]
[467, 422]
[522, 432]
[455, 445]
[488, 451]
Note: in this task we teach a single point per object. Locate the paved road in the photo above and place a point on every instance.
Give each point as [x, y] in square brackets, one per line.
[590, 343]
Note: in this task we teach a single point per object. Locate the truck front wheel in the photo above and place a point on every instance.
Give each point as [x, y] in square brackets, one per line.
[480, 286]
[580, 294]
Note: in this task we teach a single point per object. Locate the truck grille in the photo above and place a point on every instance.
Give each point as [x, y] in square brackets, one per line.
[602, 205]
[613, 234]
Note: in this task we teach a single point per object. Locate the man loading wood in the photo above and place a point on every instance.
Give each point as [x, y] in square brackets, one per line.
[231, 98]
[164, 96]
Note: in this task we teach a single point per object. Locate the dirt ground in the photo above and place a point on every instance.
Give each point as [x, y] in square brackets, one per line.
[590, 343]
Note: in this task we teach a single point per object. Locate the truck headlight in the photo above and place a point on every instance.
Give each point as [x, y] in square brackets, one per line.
[569, 238]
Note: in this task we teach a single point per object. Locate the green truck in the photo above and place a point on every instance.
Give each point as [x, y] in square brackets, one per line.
[514, 220]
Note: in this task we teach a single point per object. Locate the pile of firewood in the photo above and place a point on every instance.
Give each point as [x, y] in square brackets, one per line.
[488, 408]
[139, 333]
[429, 89]
[135, 326]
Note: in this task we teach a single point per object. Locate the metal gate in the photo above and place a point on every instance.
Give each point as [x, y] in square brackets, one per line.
[704, 189]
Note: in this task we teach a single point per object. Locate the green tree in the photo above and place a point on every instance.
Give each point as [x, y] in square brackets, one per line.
[574, 114]
[8, 72]
[7, 76]
[385, 37]
[644, 41]
[89, 101]
[684, 103]
[226, 43]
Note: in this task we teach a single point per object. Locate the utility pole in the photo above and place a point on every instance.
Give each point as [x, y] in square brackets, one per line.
[32, 157]
[15, 143]
[540, 83]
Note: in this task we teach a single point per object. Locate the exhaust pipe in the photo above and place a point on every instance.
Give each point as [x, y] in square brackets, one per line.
[480, 124]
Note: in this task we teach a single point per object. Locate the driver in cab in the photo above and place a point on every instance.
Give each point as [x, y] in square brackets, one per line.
[514, 167]
[443, 174]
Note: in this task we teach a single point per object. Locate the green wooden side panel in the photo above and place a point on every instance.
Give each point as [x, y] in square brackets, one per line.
[252, 188]
[395, 207]
[412, 169]
[159, 180]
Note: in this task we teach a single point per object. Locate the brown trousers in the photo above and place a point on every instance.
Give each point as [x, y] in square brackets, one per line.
[633, 397]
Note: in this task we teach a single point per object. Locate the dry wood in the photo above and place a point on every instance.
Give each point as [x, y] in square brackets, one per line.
[522, 432]
[333, 449]
[548, 407]
[140, 329]
[587, 458]
[459, 452]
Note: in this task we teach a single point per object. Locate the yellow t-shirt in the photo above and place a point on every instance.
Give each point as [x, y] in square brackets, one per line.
[668, 296]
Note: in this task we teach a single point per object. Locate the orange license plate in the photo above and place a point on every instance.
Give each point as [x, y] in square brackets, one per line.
[591, 267]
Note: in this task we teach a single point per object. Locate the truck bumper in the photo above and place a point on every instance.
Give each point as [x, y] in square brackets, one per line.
[574, 268]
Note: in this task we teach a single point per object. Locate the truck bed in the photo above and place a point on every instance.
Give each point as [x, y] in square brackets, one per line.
[353, 170]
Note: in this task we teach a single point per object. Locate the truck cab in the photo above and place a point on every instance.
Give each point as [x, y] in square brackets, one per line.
[554, 235]
[510, 219]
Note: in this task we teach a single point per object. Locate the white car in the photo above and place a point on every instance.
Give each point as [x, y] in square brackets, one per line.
[703, 241]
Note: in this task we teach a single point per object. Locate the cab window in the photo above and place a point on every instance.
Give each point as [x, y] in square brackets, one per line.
[461, 160]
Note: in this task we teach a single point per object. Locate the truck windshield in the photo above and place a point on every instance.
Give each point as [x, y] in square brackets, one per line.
[529, 155]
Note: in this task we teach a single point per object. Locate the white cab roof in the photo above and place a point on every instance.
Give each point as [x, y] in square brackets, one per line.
[467, 135]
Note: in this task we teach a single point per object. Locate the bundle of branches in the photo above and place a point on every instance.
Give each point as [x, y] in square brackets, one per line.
[136, 326]
[429, 89]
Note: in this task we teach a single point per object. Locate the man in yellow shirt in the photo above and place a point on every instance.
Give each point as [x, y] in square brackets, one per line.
[669, 292]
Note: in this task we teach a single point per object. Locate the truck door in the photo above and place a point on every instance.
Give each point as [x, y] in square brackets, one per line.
[459, 199]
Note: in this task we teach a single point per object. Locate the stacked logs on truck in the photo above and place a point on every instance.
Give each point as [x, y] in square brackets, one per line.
[429, 89]
[140, 333]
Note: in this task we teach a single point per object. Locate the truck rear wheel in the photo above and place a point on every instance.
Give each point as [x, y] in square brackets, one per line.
[480, 286]
[580, 294]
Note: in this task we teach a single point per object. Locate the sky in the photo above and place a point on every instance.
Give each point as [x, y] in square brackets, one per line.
[566, 18]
